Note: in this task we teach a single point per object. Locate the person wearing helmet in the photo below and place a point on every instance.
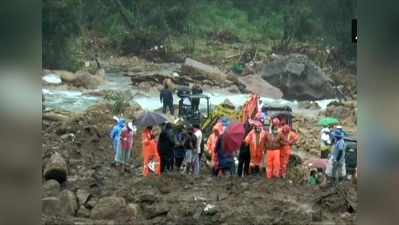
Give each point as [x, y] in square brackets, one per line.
[289, 139]
[275, 141]
[275, 124]
[256, 139]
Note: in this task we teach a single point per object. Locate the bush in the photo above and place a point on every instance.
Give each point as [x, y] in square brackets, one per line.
[120, 101]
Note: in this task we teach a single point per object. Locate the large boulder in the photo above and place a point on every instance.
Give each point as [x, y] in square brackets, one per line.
[69, 203]
[109, 208]
[56, 168]
[298, 78]
[51, 188]
[51, 206]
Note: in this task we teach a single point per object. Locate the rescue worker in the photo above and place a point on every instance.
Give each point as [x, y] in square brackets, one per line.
[166, 98]
[127, 144]
[150, 152]
[116, 140]
[275, 141]
[256, 139]
[211, 144]
[166, 145]
[289, 138]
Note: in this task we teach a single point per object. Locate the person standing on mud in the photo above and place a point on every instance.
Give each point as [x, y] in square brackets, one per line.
[197, 149]
[127, 144]
[274, 143]
[189, 146]
[150, 152]
[166, 145]
[244, 157]
[179, 151]
[217, 130]
[289, 138]
[256, 139]
[338, 156]
[166, 97]
[116, 134]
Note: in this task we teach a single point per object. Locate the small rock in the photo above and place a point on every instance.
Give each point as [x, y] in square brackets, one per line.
[83, 196]
[90, 204]
[51, 188]
[83, 212]
[108, 208]
[210, 210]
[132, 210]
[51, 206]
[69, 203]
[244, 184]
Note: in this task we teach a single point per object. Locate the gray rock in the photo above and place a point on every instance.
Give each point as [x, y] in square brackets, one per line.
[132, 210]
[298, 78]
[51, 206]
[91, 203]
[51, 188]
[56, 168]
[109, 208]
[155, 210]
[69, 203]
[83, 196]
[83, 212]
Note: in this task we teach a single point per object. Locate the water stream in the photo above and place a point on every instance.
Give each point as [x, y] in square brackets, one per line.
[80, 100]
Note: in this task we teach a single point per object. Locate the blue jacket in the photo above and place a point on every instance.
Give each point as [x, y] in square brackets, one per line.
[117, 130]
[339, 151]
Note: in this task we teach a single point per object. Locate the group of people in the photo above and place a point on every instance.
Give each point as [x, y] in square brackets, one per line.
[262, 147]
[178, 150]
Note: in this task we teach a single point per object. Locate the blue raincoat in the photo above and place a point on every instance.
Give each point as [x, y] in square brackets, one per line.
[116, 140]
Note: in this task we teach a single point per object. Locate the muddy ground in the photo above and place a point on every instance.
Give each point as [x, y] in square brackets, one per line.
[101, 194]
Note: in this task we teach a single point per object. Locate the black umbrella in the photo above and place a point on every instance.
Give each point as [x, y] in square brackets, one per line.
[151, 119]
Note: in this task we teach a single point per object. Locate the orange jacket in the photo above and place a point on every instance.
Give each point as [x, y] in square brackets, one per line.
[149, 143]
[256, 149]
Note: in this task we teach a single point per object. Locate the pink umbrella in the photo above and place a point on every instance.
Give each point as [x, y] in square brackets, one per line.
[233, 137]
[317, 163]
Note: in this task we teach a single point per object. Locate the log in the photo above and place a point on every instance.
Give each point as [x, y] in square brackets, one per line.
[56, 168]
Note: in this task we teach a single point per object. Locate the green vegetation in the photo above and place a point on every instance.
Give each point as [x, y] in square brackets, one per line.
[119, 100]
[77, 30]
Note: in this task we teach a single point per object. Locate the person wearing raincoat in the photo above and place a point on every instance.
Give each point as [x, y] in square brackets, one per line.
[289, 138]
[275, 141]
[211, 144]
[256, 139]
[338, 156]
[116, 134]
[150, 152]
[127, 143]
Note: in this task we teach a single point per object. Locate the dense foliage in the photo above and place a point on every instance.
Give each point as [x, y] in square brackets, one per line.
[75, 29]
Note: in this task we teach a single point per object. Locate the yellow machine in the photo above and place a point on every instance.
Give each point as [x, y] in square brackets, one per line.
[219, 112]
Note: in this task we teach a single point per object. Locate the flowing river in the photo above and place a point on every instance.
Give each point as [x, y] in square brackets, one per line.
[79, 100]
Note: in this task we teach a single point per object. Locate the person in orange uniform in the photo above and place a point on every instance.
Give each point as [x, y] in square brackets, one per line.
[256, 139]
[211, 144]
[250, 108]
[275, 141]
[150, 152]
[289, 139]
